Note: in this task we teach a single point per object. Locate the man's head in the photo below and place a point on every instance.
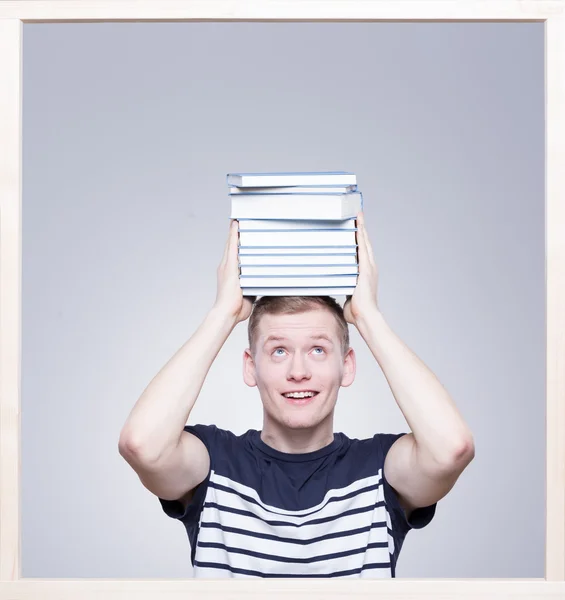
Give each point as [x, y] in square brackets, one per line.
[298, 343]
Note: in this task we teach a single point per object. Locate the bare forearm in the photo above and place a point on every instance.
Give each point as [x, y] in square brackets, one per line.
[439, 429]
[156, 422]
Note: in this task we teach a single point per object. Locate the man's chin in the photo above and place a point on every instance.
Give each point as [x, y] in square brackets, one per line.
[300, 425]
[300, 422]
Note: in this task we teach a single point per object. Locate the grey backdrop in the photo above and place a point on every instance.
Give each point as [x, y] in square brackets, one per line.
[129, 130]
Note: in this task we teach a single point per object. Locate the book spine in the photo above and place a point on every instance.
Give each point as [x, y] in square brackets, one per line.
[298, 270]
[289, 179]
[304, 237]
[297, 280]
[291, 291]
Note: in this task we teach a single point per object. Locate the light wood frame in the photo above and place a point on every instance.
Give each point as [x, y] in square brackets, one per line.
[12, 17]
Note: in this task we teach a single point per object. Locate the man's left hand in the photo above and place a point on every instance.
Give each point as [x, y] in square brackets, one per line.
[364, 298]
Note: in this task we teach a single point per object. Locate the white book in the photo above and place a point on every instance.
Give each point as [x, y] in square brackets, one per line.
[293, 189]
[291, 178]
[298, 281]
[292, 224]
[299, 251]
[296, 206]
[306, 291]
[302, 238]
[297, 259]
[276, 270]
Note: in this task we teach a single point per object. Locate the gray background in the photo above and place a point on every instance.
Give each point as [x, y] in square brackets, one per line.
[129, 130]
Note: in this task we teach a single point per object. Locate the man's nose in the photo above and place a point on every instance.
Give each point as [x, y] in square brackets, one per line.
[299, 368]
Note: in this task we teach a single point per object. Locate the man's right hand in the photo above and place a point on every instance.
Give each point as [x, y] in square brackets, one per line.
[229, 297]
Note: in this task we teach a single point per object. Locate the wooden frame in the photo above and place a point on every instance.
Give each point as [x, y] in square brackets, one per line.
[12, 17]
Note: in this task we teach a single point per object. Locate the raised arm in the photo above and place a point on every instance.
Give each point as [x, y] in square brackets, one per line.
[153, 428]
[423, 465]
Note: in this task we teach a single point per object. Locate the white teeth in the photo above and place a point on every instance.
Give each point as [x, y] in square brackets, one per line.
[299, 395]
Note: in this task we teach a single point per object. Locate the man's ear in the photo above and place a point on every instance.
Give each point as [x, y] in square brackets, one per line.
[349, 368]
[249, 368]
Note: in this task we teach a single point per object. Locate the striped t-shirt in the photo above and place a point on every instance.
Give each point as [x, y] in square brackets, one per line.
[265, 513]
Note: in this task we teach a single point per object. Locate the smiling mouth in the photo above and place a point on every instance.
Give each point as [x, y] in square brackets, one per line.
[300, 399]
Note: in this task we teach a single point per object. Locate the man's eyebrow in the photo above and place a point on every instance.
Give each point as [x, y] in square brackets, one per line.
[275, 338]
[321, 336]
[280, 338]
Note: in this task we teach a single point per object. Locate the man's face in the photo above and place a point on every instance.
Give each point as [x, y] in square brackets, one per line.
[298, 353]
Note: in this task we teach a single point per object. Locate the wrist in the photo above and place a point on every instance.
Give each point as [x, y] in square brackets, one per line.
[222, 316]
[371, 317]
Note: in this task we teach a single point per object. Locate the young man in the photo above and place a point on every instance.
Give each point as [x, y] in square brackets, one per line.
[296, 499]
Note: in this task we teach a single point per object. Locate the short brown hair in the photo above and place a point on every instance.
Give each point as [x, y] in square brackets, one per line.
[285, 305]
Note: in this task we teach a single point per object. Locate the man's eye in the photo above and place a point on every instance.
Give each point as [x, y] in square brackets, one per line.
[278, 349]
[318, 348]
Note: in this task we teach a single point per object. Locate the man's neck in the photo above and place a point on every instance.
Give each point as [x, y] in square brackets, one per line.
[297, 441]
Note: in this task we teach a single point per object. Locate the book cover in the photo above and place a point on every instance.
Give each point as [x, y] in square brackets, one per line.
[294, 224]
[297, 206]
[296, 189]
[298, 281]
[298, 250]
[291, 178]
[297, 259]
[304, 238]
[298, 270]
[305, 291]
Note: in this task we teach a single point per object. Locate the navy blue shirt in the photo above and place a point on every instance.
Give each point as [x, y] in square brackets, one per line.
[265, 513]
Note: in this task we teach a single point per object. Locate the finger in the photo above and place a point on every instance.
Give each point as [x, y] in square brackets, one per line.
[361, 242]
[228, 249]
[369, 248]
[234, 242]
[368, 245]
[227, 244]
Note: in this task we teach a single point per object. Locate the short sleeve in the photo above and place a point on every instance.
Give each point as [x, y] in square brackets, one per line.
[419, 517]
[173, 508]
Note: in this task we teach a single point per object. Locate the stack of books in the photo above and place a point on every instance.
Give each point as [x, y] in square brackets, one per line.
[297, 232]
